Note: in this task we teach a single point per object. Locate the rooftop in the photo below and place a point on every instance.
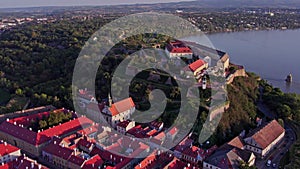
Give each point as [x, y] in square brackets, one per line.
[6, 148]
[268, 133]
[178, 47]
[34, 138]
[122, 106]
[197, 64]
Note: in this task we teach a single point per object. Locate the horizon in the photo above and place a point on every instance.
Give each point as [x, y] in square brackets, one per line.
[7, 4]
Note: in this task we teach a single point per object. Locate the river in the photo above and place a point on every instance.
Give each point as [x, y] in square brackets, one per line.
[271, 54]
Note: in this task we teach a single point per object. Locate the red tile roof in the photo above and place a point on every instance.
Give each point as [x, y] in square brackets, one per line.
[193, 152]
[121, 106]
[178, 164]
[6, 148]
[93, 163]
[173, 131]
[89, 130]
[68, 127]
[178, 47]
[76, 160]
[237, 142]
[146, 163]
[34, 138]
[197, 64]
[59, 151]
[268, 134]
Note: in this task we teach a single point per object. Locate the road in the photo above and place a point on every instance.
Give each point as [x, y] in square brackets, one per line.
[282, 148]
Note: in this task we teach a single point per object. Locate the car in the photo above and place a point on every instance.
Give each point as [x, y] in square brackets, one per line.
[274, 165]
[269, 162]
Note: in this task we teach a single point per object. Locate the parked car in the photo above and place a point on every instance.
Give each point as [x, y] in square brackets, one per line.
[269, 162]
[274, 165]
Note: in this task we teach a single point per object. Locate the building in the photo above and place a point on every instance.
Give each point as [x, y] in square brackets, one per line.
[177, 49]
[17, 132]
[224, 61]
[57, 154]
[8, 152]
[229, 156]
[264, 140]
[172, 133]
[198, 67]
[185, 143]
[119, 111]
[22, 162]
[124, 126]
[193, 155]
[157, 125]
[84, 96]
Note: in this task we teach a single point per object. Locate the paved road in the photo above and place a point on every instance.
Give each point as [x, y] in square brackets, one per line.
[281, 149]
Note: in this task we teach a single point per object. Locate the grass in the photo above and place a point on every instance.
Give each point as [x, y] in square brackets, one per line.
[4, 96]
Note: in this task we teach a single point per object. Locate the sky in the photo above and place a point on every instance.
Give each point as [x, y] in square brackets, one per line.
[37, 3]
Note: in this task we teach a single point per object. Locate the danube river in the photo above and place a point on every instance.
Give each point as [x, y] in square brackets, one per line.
[271, 54]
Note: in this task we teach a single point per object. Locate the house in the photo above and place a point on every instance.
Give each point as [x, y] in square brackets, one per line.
[224, 61]
[193, 155]
[95, 162]
[264, 140]
[124, 126]
[177, 49]
[172, 133]
[185, 143]
[156, 159]
[8, 152]
[178, 164]
[229, 159]
[86, 97]
[119, 111]
[198, 67]
[157, 125]
[229, 156]
[57, 155]
[85, 145]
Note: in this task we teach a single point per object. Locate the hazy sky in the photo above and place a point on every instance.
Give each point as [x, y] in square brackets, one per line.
[34, 3]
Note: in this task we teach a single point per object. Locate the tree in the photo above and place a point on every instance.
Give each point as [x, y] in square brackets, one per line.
[281, 122]
[42, 124]
[19, 92]
[284, 111]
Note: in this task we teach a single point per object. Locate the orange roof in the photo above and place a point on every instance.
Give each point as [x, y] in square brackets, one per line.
[268, 134]
[237, 142]
[197, 64]
[121, 106]
[93, 163]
